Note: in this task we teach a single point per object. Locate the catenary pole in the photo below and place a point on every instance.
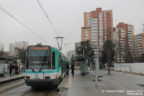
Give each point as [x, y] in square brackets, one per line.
[96, 59]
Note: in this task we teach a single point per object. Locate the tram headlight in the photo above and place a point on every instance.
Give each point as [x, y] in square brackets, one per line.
[56, 76]
[27, 77]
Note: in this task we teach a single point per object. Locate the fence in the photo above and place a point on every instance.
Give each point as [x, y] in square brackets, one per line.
[130, 67]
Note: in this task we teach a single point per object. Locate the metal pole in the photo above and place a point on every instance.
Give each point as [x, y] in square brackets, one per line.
[96, 78]
[96, 65]
[83, 64]
[96, 68]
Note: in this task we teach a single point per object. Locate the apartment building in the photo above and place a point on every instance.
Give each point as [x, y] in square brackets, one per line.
[124, 40]
[139, 44]
[97, 27]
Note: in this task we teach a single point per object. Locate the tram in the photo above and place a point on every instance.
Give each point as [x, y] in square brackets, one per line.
[45, 66]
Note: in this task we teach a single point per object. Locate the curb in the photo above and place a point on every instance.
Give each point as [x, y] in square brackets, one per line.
[134, 73]
[12, 79]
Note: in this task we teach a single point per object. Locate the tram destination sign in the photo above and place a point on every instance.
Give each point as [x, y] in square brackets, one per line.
[39, 48]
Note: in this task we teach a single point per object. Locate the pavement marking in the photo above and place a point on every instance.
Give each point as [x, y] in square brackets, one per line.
[68, 82]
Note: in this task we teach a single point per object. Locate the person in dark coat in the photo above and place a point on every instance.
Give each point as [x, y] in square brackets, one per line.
[15, 66]
[10, 68]
[67, 68]
[16, 69]
[72, 68]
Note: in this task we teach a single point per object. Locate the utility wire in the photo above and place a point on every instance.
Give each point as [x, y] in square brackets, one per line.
[45, 13]
[20, 22]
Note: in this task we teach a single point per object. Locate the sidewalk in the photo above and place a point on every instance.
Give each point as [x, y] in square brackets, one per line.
[7, 78]
[82, 85]
[110, 85]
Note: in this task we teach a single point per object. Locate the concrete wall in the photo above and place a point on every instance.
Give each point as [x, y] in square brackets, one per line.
[130, 67]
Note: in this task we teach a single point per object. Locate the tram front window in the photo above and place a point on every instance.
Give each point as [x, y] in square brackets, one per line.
[39, 59]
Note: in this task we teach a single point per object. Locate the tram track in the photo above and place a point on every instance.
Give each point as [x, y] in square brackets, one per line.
[18, 88]
[41, 92]
[27, 92]
[11, 85]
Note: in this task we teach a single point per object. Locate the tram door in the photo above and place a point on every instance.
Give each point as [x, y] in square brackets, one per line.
[53, 60]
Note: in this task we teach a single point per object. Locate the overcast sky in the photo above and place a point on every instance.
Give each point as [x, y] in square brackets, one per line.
[66, 15]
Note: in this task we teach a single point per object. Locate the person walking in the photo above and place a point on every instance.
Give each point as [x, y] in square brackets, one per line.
[67, 68]
[16, 69]
[10, 68]
[15, 66]
[72, 68]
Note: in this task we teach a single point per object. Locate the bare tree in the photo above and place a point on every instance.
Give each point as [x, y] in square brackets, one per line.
[108, 54]
[21, 54]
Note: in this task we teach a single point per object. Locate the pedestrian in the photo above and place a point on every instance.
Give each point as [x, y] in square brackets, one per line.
[16, 69]
[10, 68]
[67, 68]
[15, 66]
[72, 68]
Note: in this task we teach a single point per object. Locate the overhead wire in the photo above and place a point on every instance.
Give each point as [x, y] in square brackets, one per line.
[20, 22]
[46, 15]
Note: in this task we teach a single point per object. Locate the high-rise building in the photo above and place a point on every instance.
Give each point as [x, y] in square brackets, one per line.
[13, 46]
[97, 27]
[139, 44]
[124, 40]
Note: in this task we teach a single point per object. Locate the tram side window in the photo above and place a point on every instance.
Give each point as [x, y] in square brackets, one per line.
[53, 60]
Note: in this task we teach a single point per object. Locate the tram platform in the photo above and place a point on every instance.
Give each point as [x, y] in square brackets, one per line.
[8, 78]
[82, 85]
[117, 84]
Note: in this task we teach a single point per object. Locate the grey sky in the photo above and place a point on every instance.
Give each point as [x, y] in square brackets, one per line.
[66, 15]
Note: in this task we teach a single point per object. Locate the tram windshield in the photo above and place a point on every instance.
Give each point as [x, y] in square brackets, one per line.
[39, 59]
